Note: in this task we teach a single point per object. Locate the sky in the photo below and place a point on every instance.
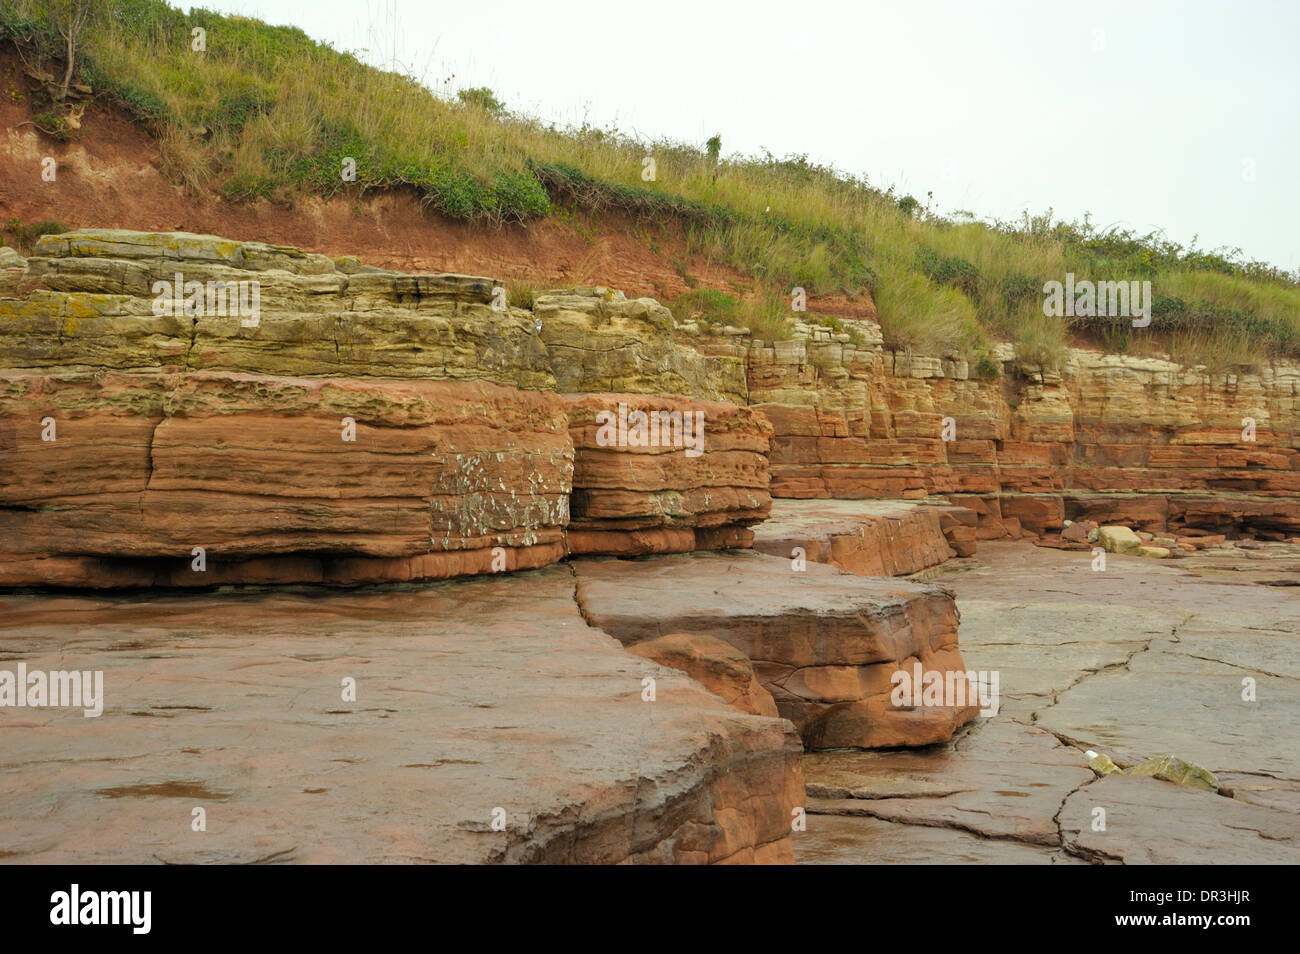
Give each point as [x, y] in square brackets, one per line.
[1149, 115]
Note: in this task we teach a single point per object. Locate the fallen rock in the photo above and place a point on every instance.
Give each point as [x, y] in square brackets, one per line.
[1176, 770]
[1119, 539]
[1102, 763]
[1079, 532]
[1158, 553]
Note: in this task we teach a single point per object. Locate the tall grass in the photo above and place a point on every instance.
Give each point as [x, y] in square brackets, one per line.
[267, 113]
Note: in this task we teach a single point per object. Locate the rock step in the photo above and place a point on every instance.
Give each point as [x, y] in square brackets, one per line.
[869, 538]
[825, 643]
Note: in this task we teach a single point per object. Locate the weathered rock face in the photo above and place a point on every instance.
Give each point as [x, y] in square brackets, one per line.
[664, 475]
[597, 340]
[354, 480]
[305, 420]
[825, 643]
[95, 308]
[1111, 438]
[517, 711]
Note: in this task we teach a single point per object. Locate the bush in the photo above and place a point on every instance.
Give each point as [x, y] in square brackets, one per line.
[955, 272]
[481, 97]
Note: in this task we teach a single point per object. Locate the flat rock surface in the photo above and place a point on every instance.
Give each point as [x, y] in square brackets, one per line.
[1142, 659]
[857, 840]
[1150, 822]
[233, 703]
[965, 785]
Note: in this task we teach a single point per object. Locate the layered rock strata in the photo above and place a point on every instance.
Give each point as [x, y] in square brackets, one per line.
[684, 475]
[1107, 436]
[869, 538]
[187, 410]
[202, 478]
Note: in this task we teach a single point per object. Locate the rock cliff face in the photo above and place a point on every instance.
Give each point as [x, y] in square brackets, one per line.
[122, 409]
[275, 479]
[186, 410]
[1110, 438]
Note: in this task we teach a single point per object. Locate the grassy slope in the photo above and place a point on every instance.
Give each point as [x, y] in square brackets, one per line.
[266, 112]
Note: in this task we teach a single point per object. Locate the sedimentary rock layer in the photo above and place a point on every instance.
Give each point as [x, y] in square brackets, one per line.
[115, 479]
[597, 340]
[685, 475]
[95, 292]
[863, 423]
[868, 538]
[300, 419]
[825, 643]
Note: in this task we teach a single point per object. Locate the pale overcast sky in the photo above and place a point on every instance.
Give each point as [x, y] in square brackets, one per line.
[1179, 115]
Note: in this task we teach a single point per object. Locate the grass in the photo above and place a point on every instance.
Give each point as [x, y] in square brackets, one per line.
[22, 236]
[266, 113]
[767, 315]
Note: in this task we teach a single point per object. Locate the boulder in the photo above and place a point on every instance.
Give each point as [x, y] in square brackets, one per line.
[1119, 539]
[1080, 531]
[1177, 771]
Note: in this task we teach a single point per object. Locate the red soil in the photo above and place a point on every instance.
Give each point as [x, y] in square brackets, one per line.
[112, 177]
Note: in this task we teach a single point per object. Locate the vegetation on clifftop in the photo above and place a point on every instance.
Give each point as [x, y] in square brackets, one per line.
[266, 112]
